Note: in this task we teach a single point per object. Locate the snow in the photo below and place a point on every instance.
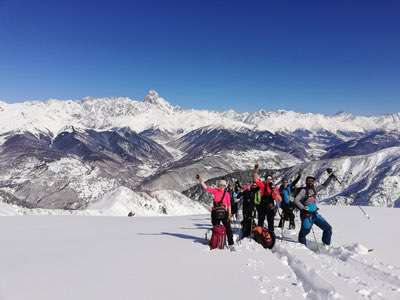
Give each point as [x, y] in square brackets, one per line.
[176, 153]
[371, 179]
[81, 257]
[155, 111]
[242, 160]
[119, 202]
[123, 200]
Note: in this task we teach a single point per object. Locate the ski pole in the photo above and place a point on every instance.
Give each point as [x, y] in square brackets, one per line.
[364, 212]
[330, 172]
[334, 176]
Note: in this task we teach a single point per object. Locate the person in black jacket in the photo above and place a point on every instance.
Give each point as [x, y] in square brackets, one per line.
[249, 194]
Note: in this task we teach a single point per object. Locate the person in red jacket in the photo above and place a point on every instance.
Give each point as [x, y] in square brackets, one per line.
[267, 207]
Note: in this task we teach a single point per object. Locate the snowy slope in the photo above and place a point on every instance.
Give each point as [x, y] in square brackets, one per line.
[372, 179]
[119, 202]
[165, 258]
[183, 177]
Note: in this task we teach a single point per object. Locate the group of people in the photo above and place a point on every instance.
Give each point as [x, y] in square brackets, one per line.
[261, 199]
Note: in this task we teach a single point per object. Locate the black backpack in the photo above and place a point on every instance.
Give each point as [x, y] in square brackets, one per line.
[219, 211]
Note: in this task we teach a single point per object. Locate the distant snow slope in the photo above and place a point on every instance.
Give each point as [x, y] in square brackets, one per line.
[119, 202]
[183, 177]
[162, 202]
[372, 179]
[100, 258]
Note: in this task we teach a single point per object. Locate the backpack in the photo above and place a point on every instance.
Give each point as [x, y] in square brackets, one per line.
[218, 237]
[297, 191]
[264, 237]
[219, 211]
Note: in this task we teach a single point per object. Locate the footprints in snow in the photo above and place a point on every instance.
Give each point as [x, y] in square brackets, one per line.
[314, 274]
[274, 286]
[364, 279]
[334, 273]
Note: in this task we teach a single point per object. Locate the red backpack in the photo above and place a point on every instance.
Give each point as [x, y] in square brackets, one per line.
[264, 237]
[218, 237]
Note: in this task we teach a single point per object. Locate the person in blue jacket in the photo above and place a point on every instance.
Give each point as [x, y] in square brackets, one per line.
[306, 201]
[287, 204]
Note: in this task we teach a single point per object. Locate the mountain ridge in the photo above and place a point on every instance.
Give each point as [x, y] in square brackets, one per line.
[71, 154]
[155, 111]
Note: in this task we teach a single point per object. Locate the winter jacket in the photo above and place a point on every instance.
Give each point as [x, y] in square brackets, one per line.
[287, 191]
[217, 194]
[308, 197]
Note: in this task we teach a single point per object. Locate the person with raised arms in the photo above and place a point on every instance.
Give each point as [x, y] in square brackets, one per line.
[306, 201]
[221, 210]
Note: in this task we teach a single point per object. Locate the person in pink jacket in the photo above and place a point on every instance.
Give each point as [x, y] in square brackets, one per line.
[222, 199]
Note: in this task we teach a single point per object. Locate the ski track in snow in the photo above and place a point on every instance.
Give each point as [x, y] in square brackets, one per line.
[277, 286]
[282, 284]
[316, 269]
[315, 286]
[334, 272]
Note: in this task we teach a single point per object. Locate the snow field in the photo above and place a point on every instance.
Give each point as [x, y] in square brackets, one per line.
[78, 257]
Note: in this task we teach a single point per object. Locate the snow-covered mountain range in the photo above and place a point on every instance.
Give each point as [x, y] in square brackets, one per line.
[156, 113]
[72, 154]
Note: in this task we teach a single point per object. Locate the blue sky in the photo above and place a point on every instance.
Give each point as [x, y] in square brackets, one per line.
[313, 56]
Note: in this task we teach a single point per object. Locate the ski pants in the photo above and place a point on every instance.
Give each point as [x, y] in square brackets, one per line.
[227, 225]
[307, 221]
[264, 211]
[246, 227]
[248, 212]
[287, 214]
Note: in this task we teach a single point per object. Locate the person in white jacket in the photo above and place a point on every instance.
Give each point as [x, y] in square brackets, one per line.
[306, 201]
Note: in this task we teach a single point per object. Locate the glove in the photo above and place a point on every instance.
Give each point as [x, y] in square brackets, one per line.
[330, 171]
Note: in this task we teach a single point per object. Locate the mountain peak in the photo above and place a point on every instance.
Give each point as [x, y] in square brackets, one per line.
[343, 114]
[153, 98]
